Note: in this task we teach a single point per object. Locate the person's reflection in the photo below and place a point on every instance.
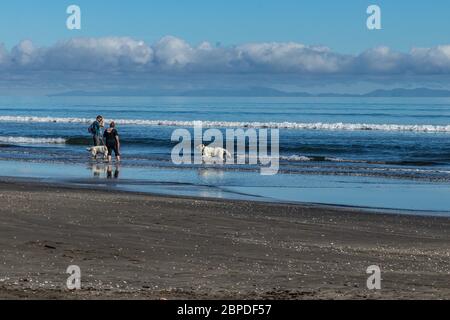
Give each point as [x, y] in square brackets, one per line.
[109, 171]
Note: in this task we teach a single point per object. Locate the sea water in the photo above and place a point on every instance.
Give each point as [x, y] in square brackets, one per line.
[391, 153]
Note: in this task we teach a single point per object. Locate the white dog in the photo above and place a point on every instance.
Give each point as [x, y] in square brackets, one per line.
[214, 152]
[98, 150]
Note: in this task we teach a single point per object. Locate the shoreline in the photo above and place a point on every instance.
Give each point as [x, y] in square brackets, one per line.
[89, 185]
[361, 192]
[144, 246]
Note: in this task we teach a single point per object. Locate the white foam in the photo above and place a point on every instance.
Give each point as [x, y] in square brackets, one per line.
[232, 124]
[300, 158]
[333, 159]
[295, 158]
[30, 140]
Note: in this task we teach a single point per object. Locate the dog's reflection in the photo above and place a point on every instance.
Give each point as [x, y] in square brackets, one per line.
[105, 170]
[211, 174]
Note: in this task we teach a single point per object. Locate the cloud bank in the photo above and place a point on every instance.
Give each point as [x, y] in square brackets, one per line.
[174, 55]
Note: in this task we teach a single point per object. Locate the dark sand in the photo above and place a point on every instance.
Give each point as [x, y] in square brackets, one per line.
[143, 246]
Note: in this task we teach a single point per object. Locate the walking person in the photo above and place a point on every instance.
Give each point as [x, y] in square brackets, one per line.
[112, 142]
[96, 130]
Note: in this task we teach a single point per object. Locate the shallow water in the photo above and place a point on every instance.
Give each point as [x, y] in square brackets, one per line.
[368, 152]
[390, 195]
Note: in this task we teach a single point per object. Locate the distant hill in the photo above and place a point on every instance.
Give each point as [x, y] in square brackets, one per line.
[418, 92]
[109, 93]
[256, 92]
[248, 92]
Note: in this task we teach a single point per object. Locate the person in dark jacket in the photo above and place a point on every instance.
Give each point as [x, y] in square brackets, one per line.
[96, 130]
[112, 142]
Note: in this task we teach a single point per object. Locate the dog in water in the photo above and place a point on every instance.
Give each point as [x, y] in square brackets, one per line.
[214, 152]
[95, 151]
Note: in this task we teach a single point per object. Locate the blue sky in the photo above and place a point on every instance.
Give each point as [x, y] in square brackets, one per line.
[284, 44]
[339, 25]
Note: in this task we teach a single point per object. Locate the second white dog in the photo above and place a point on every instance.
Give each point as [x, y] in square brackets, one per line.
[214, 152]
[98, 150]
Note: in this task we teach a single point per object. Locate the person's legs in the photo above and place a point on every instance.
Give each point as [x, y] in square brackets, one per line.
[96, 141]
[109, 172]
[109, 153]
[116, 152]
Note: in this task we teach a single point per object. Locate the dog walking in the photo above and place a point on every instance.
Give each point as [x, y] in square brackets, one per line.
[95, 129]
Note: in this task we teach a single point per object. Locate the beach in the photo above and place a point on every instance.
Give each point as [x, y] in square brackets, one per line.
[224, 152]
[143, 246]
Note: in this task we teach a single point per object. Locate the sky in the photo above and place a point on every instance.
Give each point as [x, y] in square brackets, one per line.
[309, 42]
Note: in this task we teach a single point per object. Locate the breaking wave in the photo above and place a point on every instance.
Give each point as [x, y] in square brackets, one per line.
[300, 158]
[232, 124]
[296, 158]
[30, 140]
[80, 141]
[417, 163]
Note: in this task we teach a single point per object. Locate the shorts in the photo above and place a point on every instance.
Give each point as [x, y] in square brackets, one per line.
[111, 149]
[97, 141]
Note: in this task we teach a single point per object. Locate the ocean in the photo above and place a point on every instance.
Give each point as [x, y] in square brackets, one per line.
[380, 153]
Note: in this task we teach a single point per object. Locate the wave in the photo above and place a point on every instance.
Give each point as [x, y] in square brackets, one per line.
[406, 163]
[339, 126]
[31, 140]
[128, 141]
[82, 141]
[289, 157]
[296, 158]
[301, 158]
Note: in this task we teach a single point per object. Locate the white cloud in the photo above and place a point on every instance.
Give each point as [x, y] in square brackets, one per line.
[380, 60]
[103, 54]
[431, 60]
[291, 57]
[24, 54]
[171, 54]
[4, 56]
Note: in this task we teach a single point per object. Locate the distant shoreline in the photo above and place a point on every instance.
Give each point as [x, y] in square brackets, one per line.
[261, 93]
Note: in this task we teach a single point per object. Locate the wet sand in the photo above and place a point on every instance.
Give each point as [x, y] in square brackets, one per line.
[152, 247]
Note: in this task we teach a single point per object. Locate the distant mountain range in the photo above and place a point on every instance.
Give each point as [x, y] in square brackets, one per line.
[256, 92]
[419, 92]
